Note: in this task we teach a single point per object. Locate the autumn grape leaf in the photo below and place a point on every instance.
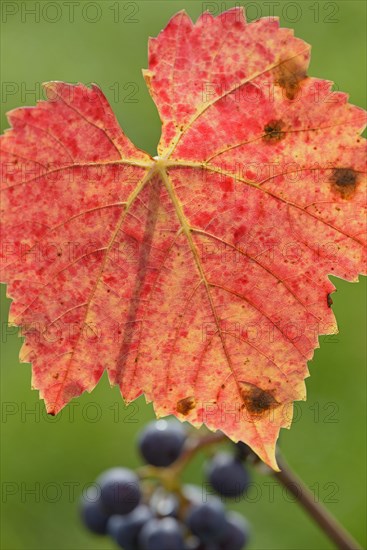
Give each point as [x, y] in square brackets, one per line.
[198, 277]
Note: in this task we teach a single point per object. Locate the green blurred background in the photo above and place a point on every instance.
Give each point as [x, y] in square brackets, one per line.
[47, 462]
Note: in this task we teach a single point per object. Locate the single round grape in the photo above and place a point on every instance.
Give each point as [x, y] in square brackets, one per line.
[161, 442]
[94, 515]
[125, 529]
[207, 520]
[193, 493]
[120, 490]
[236, 533]
[164, 504]
[193, 543]
[227, 475]
[162, 534]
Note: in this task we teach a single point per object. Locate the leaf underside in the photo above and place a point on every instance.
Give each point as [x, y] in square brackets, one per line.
[198, 277]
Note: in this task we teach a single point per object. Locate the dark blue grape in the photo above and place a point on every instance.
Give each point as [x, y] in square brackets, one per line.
[125, 529]
[162, 534]
[193, 493]
[93, 515]
[227, 475]
[236, 533]
[161, 442]
[194, 543]
[207, 520]
[120, 490]
[164, 504]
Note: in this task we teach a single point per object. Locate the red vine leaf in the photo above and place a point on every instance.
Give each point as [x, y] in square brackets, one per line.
[199, 277]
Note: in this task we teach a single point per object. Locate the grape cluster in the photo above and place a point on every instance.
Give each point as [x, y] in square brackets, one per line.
[166, 515]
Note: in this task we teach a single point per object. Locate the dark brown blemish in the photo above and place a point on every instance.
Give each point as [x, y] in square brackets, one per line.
[256, 400]
[329, 300]
[344, 176]
[184, 406]
[273, 131]
[344, 182]
[222, 386]
[289, 76]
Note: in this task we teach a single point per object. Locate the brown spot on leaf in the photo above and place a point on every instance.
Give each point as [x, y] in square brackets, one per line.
[273, 131]
[257, 400]
[289, 76]
[184, 406]
[344, 182]
[329, 300]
